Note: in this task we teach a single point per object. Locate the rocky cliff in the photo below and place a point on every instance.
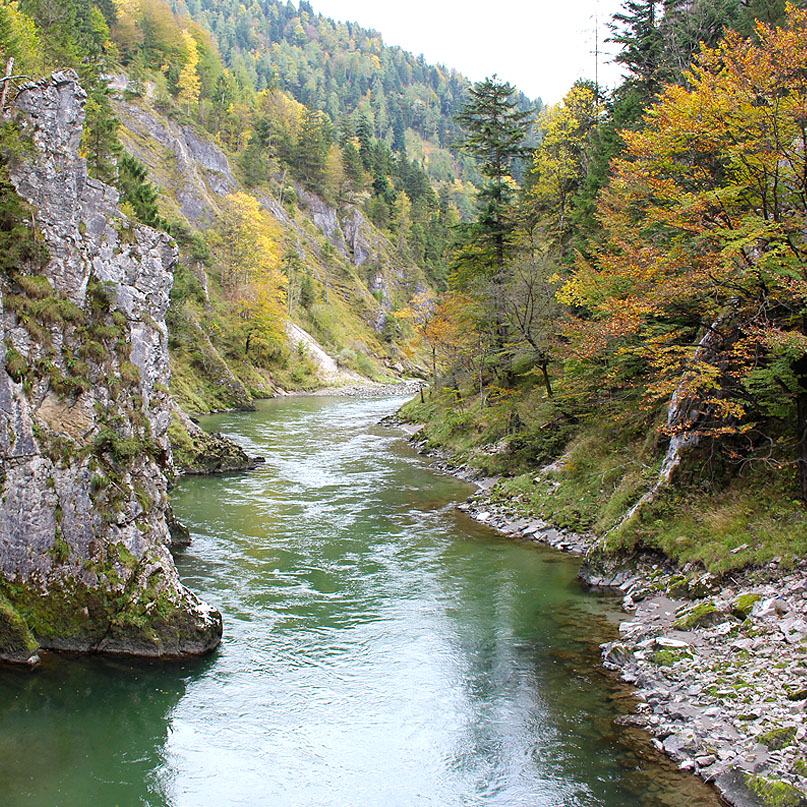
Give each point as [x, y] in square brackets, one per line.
[84, 413]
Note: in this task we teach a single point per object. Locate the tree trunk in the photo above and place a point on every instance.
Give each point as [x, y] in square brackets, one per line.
[6, 82]
[547, 383]
[683, 419]
[801, 426]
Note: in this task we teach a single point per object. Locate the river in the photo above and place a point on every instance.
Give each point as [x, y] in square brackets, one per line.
[380, 649]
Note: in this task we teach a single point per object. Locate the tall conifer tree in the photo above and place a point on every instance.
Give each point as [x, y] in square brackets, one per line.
[495, 134]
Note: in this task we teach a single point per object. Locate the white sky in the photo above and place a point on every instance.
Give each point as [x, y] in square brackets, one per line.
[541, 46]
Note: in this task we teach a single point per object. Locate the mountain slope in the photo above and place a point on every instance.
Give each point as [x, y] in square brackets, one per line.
[348, 278]
[343, 69]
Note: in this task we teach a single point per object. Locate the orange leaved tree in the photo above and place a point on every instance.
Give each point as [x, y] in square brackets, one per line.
[443, 325]
[700, 291]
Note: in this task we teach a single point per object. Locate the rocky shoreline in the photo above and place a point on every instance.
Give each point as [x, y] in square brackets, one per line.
[371, 389]
[719, 664]
[200, 453]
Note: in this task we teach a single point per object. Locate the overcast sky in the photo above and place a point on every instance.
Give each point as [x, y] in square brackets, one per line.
[541, 46]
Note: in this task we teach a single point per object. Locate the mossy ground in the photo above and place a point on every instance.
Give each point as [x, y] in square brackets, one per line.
[666, 657]
[118, 611]
[743, 605]
[16, 640]
[701, 615]
[777, 739]
[71, 614]
[774, 793]
[585, 476]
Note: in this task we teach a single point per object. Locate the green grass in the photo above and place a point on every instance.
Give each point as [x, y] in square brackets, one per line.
[605, 466]
[748, 520]
[510, 434]
[601, 472]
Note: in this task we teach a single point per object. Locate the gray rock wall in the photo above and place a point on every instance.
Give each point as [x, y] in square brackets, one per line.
[84, 413]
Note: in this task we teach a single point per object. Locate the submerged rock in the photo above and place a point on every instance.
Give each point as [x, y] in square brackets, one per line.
[84, 413]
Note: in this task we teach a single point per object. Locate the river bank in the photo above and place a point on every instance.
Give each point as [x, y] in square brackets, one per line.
[719, 665]
[371, 389]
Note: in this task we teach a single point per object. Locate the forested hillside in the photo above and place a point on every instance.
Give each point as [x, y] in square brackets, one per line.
[349, 73]
[625, 334]
[283, 214]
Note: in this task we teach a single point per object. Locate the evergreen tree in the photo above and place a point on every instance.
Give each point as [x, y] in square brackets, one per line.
[688, 24]
[136, 190]
[311, 153]
[398, 133]
[771, 12]
[637, 31]
[495, 134]
[364, 134]
[351, 162]
[100, 139]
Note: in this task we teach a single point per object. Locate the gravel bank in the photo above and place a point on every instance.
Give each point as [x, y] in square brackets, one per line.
[372, 389]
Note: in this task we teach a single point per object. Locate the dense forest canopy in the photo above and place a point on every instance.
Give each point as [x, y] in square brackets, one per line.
[339, 68]
[281, 151]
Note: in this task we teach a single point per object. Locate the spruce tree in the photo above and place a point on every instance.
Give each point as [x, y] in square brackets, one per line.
[495, 133]
[134, 187]
[637, 30]
[364, 134]
[100, 139]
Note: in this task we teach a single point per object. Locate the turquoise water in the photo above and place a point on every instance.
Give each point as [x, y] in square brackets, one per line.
[380, 648]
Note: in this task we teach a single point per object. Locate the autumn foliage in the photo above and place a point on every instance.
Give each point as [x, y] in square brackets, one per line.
[249, 238]
[701, 284]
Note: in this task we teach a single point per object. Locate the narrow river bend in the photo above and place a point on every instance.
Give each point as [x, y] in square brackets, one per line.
[380, 649]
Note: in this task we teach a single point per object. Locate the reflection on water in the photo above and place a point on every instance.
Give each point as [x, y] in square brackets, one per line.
[380, 649]
[79, 732]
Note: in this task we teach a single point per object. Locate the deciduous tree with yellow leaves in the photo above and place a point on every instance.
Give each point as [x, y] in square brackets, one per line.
[443, 324]
[700, 290]
[560, 163]
[188, 81]
[250, 270]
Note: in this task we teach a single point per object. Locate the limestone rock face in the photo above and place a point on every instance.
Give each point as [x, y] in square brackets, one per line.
[357, 235]
[196, 169]
[85, 410]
